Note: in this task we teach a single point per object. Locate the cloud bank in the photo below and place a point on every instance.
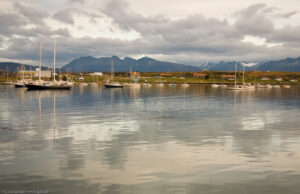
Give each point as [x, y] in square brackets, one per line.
[111, 27]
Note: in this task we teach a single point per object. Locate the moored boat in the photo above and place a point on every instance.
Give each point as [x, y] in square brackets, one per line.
[185, 85]
[260, 86]
[160, 84]
[49, 86]
[214, 85]
[172, 85]
[286, 86]
[113, 85]
[237, 87]
[20, 84]
[54, 85]
[223, 86]
[268, 86]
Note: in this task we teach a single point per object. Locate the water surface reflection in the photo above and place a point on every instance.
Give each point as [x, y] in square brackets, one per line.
[150, 140]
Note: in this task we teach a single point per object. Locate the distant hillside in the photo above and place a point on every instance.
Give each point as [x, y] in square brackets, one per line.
[13, 67]
[284, 65]
[224, 66]
[90, 64]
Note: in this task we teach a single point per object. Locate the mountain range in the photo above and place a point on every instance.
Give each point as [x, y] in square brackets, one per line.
[145, 64]
[283, 65]
[13, 67]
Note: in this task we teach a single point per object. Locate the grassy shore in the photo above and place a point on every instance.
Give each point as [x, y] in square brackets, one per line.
[186, 77]
[212, 77]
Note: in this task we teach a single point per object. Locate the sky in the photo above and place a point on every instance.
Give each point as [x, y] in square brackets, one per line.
[190, 32]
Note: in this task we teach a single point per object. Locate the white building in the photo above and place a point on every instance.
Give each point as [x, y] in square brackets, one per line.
[46, 74]
[265, 78]
[97, 74]
[29, 73]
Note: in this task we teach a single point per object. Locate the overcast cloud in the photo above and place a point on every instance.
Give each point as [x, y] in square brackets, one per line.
[190, 33]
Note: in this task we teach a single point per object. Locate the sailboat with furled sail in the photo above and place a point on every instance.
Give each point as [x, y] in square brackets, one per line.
[54, 85]
[111, 83]
[236, 87]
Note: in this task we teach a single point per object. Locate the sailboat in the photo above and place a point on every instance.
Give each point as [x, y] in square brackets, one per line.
[214, 85]
[21, 83]
[236, 87]
[185, 85]
[7, 82]
[111, 83]
[247, 86]
[134, 82]
[54, 85]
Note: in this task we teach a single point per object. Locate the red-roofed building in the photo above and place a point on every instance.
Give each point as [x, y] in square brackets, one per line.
[200, 75]
[228, 77]
[135, 74]
[165, 74]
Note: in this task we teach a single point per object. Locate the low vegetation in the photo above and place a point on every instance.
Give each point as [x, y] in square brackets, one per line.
[182, 77]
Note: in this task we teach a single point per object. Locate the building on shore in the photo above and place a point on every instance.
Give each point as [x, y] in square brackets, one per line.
[45, 74]
[165, 74]
[32, 73]
[264, 78]
[96, 74]
[200, 75]
[135, 74]
[228, 77]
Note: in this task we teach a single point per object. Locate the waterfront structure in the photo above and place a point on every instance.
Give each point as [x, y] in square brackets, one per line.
[96, 74]
[200, 75]
[264, 78]
[165, 74]
[228, 77]
[135, 74]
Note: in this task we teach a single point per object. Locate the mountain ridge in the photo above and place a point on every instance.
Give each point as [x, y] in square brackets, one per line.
[146, 64]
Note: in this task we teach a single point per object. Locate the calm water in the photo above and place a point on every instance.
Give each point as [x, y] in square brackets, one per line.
[150, 140]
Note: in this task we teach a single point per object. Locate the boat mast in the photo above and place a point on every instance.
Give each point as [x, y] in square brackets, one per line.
[54, 56]
[40, 69]
[235, 75]
[243, 74]
[7, 73]
[30, 72]
[112, 69]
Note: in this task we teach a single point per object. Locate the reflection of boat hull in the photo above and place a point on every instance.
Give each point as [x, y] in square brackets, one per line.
[7, 83]
[286, 86]
[276, 86]
[47, 87]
